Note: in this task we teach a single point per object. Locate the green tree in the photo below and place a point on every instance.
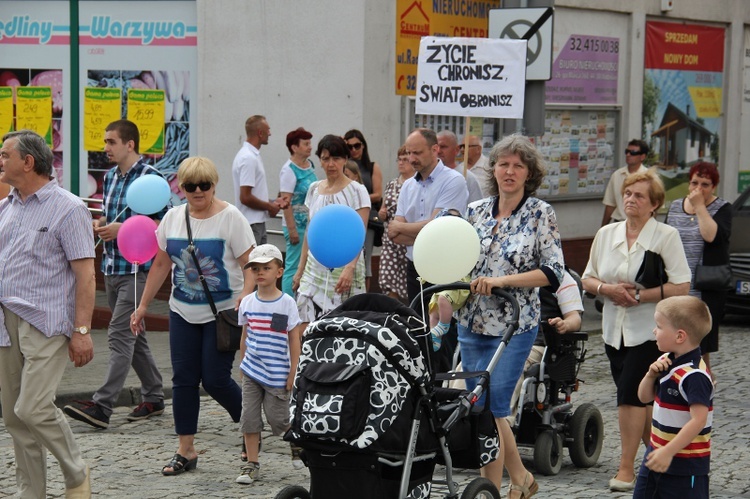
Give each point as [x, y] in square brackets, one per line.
[651, 96]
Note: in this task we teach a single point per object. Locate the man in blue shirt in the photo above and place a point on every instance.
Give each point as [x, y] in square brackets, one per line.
[433, 188]
[120, 276]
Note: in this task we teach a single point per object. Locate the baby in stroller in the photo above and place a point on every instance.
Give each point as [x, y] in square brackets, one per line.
[368, 415]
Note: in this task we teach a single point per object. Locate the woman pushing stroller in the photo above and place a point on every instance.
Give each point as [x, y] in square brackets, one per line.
[520, 251]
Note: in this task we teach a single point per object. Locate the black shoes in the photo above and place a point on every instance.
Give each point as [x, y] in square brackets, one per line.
[87, 412]
[145, 410]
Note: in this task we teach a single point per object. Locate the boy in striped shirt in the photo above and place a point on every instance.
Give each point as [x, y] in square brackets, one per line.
[270, 349]
[678, 457]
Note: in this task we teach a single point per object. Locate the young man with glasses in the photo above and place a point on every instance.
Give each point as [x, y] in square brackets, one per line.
[121, 142]
[635, 154]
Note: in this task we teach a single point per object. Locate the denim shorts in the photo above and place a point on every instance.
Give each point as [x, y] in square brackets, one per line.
[477, 351]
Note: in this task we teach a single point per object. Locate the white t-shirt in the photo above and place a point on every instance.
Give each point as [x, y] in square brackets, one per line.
[219, 240]
[248, 170]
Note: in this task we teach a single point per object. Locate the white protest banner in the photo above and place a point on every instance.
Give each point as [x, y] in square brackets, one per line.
[471, 77]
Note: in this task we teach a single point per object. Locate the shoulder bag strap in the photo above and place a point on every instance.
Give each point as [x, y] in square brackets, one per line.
[191, 250]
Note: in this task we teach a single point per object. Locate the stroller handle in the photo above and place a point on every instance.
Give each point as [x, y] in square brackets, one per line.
[467, 400]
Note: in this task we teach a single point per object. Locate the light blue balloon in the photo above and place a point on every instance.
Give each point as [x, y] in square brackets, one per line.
[335, 235]
[148, 194]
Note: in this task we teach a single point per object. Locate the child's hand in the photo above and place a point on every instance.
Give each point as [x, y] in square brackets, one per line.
[662, 364]
[659, 460]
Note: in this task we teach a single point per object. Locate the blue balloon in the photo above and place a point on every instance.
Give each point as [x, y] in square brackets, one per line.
[148, 194]
[335, 235]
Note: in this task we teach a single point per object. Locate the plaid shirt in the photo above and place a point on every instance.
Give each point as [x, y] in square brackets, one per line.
[115, 189]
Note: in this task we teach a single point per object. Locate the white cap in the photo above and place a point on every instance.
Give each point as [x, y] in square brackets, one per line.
[264, 254]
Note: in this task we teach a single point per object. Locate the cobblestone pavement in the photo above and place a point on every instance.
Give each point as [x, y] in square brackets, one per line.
[126, 459]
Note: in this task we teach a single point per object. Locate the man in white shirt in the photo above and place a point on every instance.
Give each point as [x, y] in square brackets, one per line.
[250, 187]
[635, 154]
[478, 164]
[447, 152]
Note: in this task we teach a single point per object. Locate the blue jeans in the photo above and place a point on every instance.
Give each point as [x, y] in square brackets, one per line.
[195, 359]
[651, 484]
[476, 352]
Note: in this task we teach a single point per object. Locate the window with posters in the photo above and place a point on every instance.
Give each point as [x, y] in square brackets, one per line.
[136, 60]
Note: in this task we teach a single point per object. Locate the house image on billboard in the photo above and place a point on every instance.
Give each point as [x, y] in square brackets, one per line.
[681, 141]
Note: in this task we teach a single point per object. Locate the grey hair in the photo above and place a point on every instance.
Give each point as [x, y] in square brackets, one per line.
[448, 133]
[31, 143]
[529, 155]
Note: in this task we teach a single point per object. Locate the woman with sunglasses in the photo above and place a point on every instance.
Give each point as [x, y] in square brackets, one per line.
[372, 178]
[320, 289]
[222, 240]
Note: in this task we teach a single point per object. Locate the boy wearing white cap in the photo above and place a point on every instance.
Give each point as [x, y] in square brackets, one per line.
[270, 351]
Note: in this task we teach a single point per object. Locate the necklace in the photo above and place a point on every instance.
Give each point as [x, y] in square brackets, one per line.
[203, 213]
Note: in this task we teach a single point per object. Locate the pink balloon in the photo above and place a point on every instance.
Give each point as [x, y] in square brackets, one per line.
[137, 239]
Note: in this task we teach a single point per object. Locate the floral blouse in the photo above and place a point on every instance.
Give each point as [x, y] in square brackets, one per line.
[525, 241]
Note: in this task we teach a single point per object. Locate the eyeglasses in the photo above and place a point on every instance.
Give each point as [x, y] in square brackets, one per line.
[190, 187]
[403, 158]
[637, 152]
[354, 147]
[472, 145]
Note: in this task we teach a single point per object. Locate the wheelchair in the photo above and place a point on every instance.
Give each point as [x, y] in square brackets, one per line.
[545, 419]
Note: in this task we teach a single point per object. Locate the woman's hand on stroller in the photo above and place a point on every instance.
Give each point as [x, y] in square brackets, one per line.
[484, 285]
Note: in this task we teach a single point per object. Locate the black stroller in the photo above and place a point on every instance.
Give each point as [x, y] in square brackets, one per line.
[368, 413]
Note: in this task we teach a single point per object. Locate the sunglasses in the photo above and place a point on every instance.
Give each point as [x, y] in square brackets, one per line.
[204, 186]
[462, 146]
[633, 153]
[354, 147]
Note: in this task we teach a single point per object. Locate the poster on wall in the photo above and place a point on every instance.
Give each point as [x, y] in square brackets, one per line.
[682, 98]
[148, 55]
[415, 19]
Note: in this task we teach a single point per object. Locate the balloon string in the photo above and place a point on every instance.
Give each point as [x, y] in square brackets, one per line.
[116, 217]
[325, 292]
[135, 287]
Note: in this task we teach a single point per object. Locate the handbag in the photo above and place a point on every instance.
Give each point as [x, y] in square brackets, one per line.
[651, 274]
[376, 224]
[228, 330]
[713, 277]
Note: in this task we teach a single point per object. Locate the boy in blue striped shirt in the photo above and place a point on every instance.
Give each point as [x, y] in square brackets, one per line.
[270, 349]
[678, 457]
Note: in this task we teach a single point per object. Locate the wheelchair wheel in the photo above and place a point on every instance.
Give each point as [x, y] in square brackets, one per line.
[548, 453]
[480, 488]
[293, 492]
[587, 433]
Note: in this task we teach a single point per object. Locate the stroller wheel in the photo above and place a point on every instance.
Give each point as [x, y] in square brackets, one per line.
[480, 488]
[548, 453]
[293, 492]
[587, 434]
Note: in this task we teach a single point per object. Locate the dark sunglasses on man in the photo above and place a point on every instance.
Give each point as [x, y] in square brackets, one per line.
[636, 152]
[190, 187]
[354, 147]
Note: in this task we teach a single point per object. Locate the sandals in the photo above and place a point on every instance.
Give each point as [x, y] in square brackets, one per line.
[526, 490]
[179, 465]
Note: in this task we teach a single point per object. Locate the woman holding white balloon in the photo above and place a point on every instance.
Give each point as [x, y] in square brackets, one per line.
[221, 241]
[520, 251]
[319, 287]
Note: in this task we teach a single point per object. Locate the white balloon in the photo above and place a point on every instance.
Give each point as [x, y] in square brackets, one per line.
[445, 250]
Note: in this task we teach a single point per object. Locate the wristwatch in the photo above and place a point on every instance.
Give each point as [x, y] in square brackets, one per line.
[82, 330]
[637, 295]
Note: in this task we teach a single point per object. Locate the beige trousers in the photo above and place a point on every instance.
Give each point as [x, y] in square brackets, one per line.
[30, 372]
